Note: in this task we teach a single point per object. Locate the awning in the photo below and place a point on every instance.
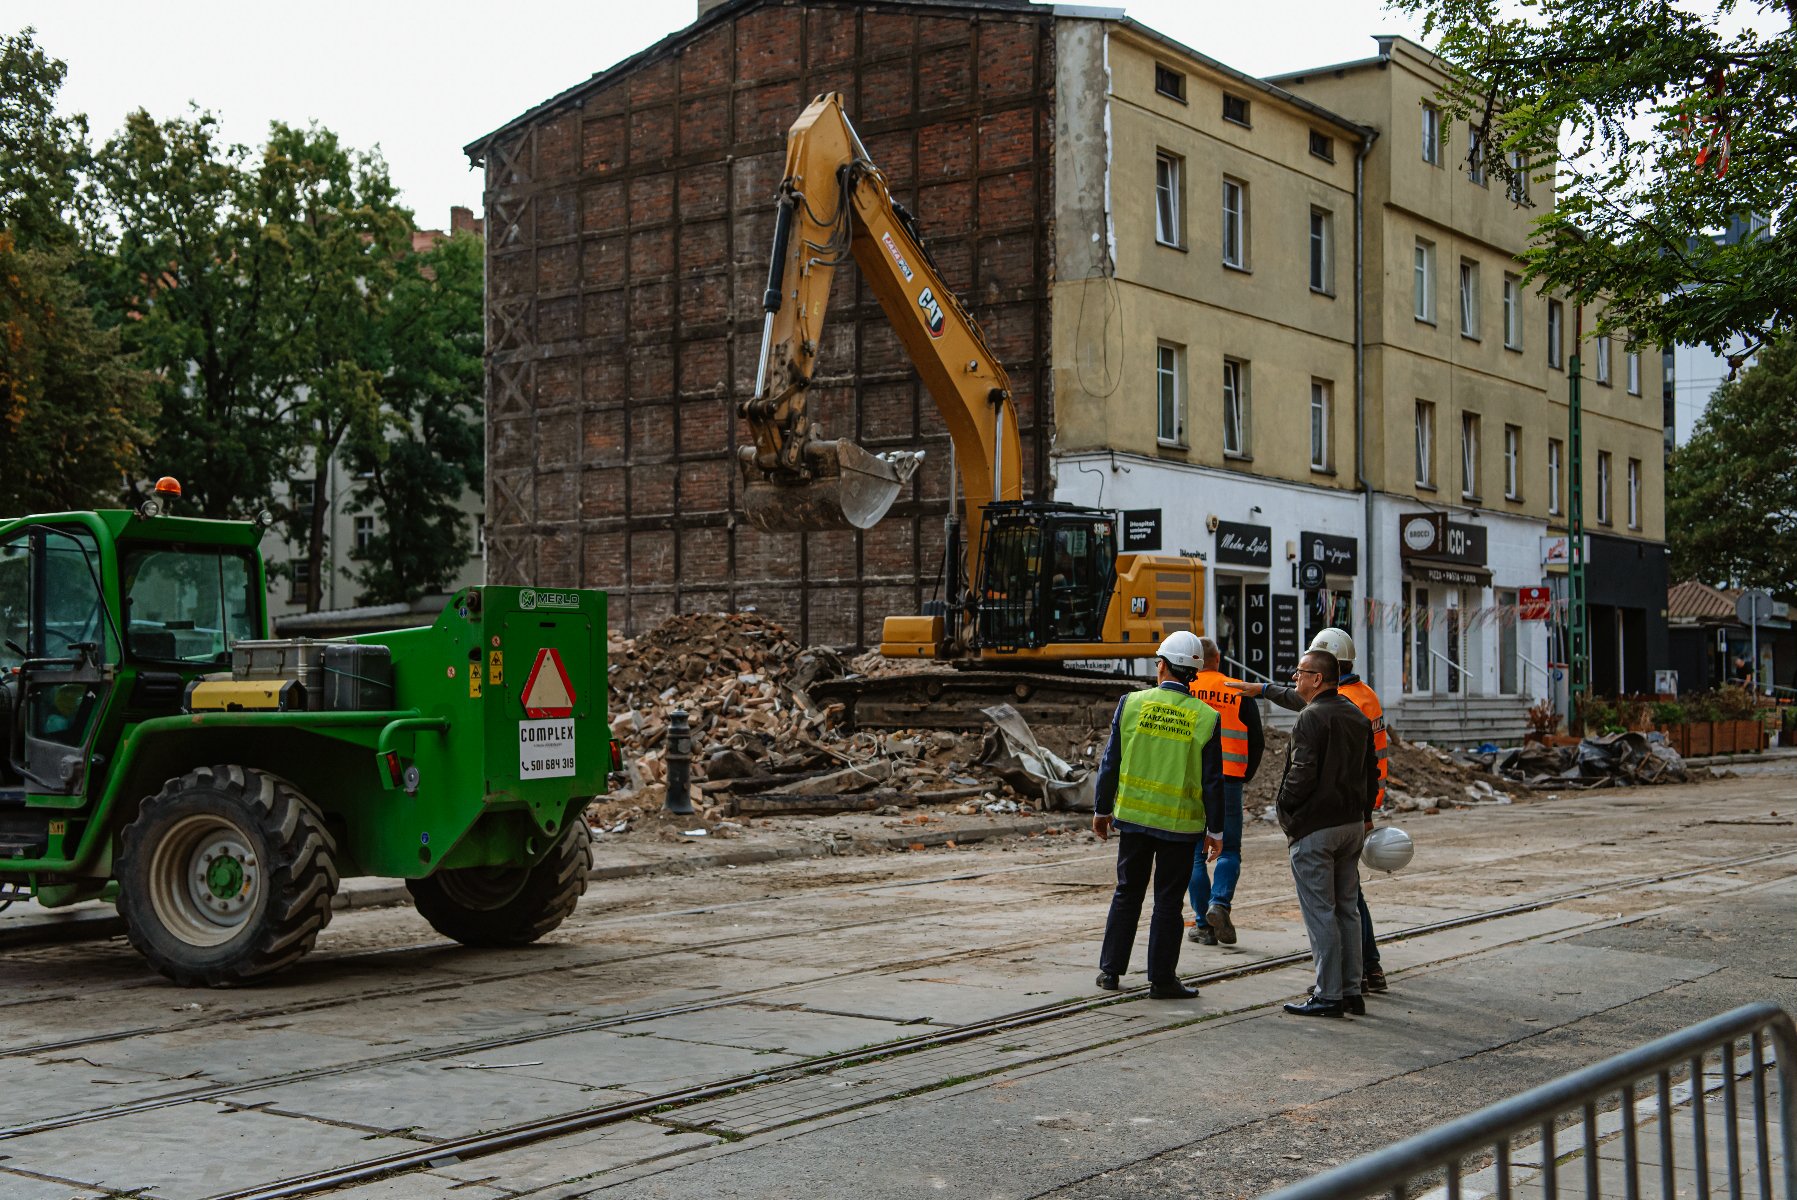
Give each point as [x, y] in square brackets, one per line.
[1436, 570]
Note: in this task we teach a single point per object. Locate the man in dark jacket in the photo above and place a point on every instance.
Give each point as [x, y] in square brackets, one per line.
[1325, 801]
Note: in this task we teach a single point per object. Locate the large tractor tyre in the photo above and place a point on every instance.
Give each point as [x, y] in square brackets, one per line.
[508, 906]
[226, 877]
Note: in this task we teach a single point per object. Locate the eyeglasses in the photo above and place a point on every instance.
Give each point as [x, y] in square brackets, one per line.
[1304, 671]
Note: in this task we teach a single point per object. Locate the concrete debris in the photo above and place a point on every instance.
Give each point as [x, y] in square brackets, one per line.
[1612, 760]
[1012, 750]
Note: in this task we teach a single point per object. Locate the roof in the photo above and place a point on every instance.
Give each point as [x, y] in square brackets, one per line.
[476, 150]
[1690, 600]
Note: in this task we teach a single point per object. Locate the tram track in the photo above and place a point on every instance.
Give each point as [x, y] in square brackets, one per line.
[559, 1125]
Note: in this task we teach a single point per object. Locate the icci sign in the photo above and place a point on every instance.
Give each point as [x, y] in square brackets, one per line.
[1432, 535]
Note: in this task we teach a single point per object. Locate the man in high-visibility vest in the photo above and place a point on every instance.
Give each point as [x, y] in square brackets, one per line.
[1160, 784]
[1352, 687]
[1239, 729]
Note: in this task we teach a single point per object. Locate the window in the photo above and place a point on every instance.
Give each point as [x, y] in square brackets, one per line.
[1603, 487]
[1469, 299]
[1322, 146]
[1425, 444]
[1425, 281]
[1519, 177]
[1235, 409]
[189, 604]
[1554, 318]
[1235, 223]
[1553, 475]
[364, 532]
[1512, 312]
[1602, 350]
[1469, 456]
[299, 573]
[1169, 82]
[1512, 457]
[302, 496]
[1475, 155]
[1634, 486]
[1170, 422]
[1167, 229]
[1235, 109]
[1322, 241]
[1319, 425]
[1432, 135]
[1634, 366]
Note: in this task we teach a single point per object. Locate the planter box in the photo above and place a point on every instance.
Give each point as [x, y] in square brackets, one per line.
[1699, 739]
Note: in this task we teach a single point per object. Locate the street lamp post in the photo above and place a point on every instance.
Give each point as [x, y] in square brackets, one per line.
[1579, 631]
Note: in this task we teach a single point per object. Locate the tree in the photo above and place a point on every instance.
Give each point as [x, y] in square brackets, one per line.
[73, 407]
[428, 449]
[1659, 127]
[1731, 491]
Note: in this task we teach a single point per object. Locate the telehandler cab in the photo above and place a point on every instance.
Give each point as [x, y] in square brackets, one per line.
[159, 750]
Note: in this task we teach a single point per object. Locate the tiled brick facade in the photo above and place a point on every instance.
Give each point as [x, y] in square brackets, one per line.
[629, 225]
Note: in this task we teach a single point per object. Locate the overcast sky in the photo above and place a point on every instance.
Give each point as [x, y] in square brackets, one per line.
[422, 80]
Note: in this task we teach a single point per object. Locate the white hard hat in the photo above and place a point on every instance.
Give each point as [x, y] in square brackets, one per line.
[1180, 649]
[1334, 641]
[1387, 849]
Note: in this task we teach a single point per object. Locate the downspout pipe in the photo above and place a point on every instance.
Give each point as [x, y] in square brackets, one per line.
[1367, 660]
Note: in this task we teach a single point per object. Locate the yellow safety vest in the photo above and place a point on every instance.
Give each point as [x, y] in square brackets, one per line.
[1161, 780]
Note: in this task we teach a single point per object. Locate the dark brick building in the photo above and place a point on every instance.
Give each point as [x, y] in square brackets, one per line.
[629, 221]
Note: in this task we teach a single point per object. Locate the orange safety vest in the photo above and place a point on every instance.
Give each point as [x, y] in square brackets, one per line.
[1367, 701]
[1213, 688]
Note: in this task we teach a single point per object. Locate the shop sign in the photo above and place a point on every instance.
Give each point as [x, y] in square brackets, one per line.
[1556, 551]
[1310, 576]
[1141, 529]
[1432, 535]
[1337, 555]
[1534, 603]
[1285, 636]
[1244, 545]
[1254, 628]
[1434, 574]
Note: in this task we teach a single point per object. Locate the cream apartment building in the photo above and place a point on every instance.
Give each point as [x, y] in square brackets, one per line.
[1218, 372]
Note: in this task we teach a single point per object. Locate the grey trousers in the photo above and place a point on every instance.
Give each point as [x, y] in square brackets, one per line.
[1326, 868]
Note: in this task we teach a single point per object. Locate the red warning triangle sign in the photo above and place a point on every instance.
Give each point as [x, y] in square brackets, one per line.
[548, 693]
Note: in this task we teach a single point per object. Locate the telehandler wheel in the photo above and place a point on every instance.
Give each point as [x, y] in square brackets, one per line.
[508, 906]
[226, 876]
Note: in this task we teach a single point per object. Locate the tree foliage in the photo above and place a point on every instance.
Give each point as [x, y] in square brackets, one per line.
[41, 153]
[428, 449]
[1731, 491]
[1659, 124]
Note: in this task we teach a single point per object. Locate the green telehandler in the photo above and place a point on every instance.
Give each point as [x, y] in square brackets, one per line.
[161, 751]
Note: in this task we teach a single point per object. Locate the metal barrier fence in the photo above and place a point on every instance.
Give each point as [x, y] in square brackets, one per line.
[1476, 1155]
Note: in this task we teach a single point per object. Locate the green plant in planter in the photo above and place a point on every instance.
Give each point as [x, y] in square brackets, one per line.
[1702, 706]
[1596, 714]
[1667, 713]
[1736, 703]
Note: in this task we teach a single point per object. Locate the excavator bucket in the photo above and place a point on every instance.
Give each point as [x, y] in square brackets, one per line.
[851, 490]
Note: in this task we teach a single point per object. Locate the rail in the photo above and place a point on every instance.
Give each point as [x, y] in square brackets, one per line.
[1462, 690]
[1490, 1130]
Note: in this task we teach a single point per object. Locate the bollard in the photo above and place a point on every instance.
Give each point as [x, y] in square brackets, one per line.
[679, 758]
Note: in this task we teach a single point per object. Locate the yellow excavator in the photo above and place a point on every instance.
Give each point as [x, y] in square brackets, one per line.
[1033, 586]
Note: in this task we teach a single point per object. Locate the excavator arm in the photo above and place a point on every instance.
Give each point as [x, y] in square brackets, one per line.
[833, 204]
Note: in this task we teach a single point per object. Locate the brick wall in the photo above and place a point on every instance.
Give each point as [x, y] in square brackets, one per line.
[629, 228]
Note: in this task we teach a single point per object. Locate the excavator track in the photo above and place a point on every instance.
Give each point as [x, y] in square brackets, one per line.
[952, 699]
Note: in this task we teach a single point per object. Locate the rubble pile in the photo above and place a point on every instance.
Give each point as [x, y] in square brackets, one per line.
[762, 747]
[1612, 760]
[1420, 779]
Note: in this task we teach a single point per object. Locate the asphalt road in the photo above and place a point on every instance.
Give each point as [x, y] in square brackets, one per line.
[831, 1006]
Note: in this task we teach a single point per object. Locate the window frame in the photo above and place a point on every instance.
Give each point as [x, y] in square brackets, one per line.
[1601, 350]
[363, 520]
[1169, 367]
[1632, 479]
[1556, 335]
[1513, 462]
[1469, 299]
[1470, 434]
[1632, 362]
[1322, 251]
[1556, 460]
[1434, 148]
[1424, 444]
[1512, 311]
[1170, 194]
[1518, 190]
[1604, 516]
[1240, 247]
[1178, 91]
[1321, 426]
[1423, 281]
[1475, 157]
[299, 581]
[1246, 120]
[1322, 146]
[1235, 403]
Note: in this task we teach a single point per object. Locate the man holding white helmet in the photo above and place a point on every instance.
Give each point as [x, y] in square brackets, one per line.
[1160, 785]
[1352, 687]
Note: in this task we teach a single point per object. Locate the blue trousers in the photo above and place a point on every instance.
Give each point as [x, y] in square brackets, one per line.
[1203, 891]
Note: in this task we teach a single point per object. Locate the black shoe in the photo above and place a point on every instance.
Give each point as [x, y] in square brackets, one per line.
[1355, 1005]
[1373, 981]
[1171, 990]
[1316, 1008]
[1109, 983]
[1218, 919]
[1202, 934]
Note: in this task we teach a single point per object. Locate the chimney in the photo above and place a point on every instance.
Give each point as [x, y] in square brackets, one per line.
[461, 219]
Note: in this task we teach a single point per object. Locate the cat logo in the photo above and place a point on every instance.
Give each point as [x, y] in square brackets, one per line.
[1138, 606]
[932, 312]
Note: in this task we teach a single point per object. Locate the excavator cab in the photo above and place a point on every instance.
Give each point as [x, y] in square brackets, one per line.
[1048, 571]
